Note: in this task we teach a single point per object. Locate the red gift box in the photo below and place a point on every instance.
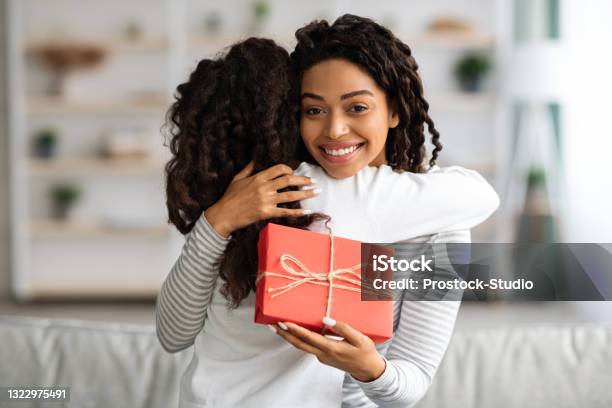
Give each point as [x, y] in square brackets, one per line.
[293, 283]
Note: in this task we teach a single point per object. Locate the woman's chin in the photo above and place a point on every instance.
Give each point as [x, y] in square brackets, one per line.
[341, 172]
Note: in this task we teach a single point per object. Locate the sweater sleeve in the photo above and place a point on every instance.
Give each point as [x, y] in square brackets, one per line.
[419, 342]
[408, 205]
[401, 205]
[181, 305]
[414, 354]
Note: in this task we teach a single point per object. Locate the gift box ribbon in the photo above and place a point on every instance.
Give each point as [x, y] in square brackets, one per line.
[303, 275]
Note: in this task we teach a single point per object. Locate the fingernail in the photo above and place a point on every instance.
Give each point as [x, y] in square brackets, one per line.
[316, 190]
[328, 321]
[283, 326]
[313, 180]
[305, 212]
[272, 328]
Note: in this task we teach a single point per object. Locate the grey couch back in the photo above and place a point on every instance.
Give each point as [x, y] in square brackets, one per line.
[104, 364]
[120, 365]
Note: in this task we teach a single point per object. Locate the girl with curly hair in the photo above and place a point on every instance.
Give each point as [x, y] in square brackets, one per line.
[238, 115]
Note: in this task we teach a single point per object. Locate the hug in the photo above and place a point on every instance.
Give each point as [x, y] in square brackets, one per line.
[329, 137]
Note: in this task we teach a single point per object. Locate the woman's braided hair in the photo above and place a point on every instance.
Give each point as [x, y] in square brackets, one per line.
[390, 63]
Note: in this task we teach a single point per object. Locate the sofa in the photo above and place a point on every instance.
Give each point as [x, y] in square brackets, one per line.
[122, 365]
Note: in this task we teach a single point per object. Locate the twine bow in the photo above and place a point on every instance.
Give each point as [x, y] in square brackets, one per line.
[303, 275]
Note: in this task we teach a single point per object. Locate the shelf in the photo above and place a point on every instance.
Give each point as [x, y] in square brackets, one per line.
[144, 291]
[426, 40]
[41, 229]
[53, 106]
[216, 42]
[450, 41]
[94, 167]
[112, 44]
[485, 168]
[461, 101]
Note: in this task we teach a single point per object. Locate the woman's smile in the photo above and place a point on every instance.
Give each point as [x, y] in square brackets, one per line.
[335, 152]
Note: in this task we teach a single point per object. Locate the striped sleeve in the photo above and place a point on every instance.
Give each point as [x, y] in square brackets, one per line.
[422, 332]
[181, 305]
[414, 354]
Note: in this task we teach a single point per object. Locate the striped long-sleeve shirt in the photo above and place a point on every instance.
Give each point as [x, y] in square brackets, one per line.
[229, 346]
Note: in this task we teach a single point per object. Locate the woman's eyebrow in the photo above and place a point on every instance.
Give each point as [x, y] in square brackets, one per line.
[313, 96]
[357, 93]
[345, 96]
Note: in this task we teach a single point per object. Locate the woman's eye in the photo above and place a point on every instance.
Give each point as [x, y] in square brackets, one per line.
[358, 108]
[313, 111]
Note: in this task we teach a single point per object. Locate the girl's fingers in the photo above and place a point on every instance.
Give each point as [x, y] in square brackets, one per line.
[311, 338]
[290, 196]
[296, 342]
[273, 172]
[288, 212]
[290, 180]
[246, 172]
[351, 335]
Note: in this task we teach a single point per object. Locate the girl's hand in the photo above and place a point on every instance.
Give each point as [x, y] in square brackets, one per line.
[355, 354]
[251, 198]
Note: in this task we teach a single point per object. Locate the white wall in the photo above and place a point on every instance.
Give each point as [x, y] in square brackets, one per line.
[4, 227]
[588, 128]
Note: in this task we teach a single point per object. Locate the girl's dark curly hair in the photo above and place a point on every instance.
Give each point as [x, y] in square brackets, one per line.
[390, 63]
[239, 107]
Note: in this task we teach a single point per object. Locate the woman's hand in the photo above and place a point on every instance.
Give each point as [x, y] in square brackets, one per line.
[356, 354]
[251, 198]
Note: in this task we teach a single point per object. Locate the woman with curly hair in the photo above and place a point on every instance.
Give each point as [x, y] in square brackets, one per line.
[235, 124]
[361, 92]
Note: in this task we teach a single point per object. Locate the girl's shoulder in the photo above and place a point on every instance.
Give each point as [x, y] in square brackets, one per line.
[309, 170]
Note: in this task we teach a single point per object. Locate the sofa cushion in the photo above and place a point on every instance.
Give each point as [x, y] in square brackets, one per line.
[123, 365]
[104, 364]
[528, 366]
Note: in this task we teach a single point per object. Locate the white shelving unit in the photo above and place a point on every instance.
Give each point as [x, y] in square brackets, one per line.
[38, 106]
[119, 245]
[90, 257]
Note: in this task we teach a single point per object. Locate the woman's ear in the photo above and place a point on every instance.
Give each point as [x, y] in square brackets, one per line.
[393, 115]
[393, 119]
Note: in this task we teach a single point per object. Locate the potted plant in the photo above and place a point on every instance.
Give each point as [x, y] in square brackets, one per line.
[536, 177]
[45, 143]
[64, 196]
[261, 10]
[133, 31]
[470, 71]
[213, 23]
[537, 221]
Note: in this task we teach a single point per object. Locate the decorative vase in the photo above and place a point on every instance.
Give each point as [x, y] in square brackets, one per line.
[45, 150]
[61, 212]
[471, 84]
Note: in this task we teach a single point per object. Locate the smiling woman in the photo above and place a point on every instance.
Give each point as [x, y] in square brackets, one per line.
[362, 105]
[362, 98]
[345, 117]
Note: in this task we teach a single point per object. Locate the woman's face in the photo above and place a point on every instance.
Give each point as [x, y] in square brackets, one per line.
[345, 117]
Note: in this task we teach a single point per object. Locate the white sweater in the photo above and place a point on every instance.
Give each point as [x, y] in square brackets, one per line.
[382, 205]
[237, 363]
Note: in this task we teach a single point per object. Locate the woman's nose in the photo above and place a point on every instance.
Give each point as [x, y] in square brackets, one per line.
[337, 127]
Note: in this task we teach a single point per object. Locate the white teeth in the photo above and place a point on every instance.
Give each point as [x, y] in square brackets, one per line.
[341, 152]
